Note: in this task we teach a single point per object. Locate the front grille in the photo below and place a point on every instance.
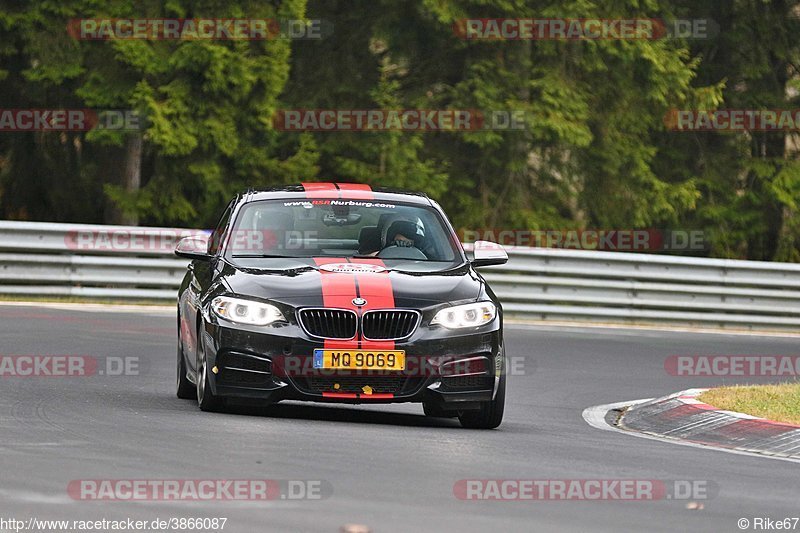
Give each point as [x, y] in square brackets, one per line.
[329, 323]
[389, 325]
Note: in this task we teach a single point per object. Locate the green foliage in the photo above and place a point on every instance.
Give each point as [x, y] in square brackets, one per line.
[203, 102]
[594, 151]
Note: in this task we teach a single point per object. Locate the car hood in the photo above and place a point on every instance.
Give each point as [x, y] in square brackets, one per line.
[306, 283]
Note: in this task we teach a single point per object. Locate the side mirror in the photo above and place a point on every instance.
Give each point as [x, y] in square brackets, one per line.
[488, 253]
[193, 248]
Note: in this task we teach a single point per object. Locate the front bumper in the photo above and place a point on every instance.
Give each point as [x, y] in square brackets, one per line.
[453, 369]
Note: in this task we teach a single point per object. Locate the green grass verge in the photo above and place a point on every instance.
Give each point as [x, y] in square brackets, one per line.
[780, 402]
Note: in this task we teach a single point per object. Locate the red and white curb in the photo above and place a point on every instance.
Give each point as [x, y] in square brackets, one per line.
[681, 418]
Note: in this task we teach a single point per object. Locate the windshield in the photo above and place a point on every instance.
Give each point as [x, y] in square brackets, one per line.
[299, 229]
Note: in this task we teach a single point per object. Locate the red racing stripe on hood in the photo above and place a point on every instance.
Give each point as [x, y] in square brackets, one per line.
[338, 290]
[376, 288]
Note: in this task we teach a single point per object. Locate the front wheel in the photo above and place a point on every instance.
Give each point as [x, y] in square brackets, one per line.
[206, 398]
[490, 414]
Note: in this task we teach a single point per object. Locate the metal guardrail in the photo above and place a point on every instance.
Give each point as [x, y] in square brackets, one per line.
[548, 284]
[136, 263]
[90, 261]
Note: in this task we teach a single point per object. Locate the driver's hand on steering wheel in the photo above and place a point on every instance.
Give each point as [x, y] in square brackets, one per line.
[402, 241]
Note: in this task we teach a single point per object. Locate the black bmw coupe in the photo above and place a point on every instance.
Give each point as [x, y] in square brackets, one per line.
[334, 292]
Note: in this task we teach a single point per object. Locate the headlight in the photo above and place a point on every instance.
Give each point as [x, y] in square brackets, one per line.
[246, 311]
[466, 316]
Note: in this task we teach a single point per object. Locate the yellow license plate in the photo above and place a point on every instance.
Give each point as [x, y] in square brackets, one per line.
[360, 359]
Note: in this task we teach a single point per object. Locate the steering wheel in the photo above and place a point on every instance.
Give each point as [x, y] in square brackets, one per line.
[402, 252]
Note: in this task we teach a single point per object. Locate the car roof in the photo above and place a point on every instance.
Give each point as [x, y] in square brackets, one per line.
[336, 191]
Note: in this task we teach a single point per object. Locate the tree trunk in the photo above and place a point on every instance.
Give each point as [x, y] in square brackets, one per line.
[132, 177]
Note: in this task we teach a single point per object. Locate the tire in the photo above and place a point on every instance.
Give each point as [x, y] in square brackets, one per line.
[206, 399]
[433, 410]
[490, 414]
[185, 388]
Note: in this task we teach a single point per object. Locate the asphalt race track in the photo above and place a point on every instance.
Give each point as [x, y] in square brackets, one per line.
[390, 467]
